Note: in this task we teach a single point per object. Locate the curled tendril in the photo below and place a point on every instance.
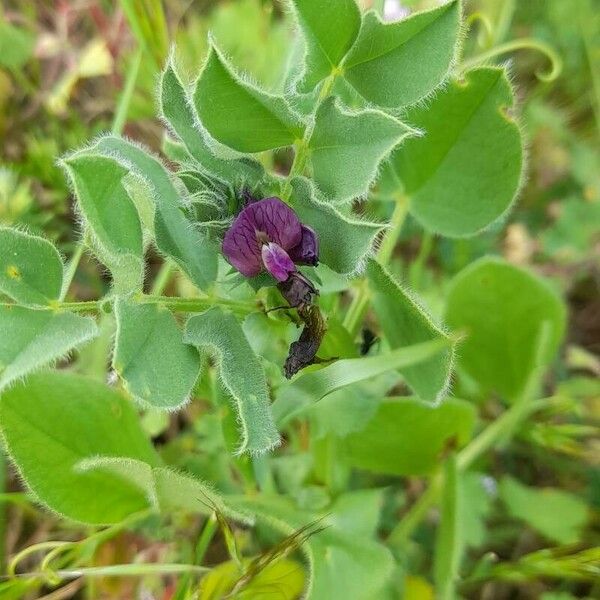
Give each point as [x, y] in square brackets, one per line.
[479, 17]
[553, 57]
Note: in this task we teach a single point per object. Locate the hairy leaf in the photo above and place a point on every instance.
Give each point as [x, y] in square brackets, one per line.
[502, 309]
[31, 270]
[329, 29]
[397, 64]
[175, 234]
[34, 338]
[405, 322]
[308, 388]
[466, 171]
[242, 375]
[240, 115]
[406, 436]
[111, 216]
[344, 242]
[178, 112]
[157, 368]
[53, 421]
[347, 147]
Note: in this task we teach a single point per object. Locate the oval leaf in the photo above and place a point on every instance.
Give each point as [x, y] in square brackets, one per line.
[157, 368]
[34, 338]
[31, 270]
[53, 421]
[466, 171]
[502, 309]
[239, 114]
[396, 64]
[405, 322]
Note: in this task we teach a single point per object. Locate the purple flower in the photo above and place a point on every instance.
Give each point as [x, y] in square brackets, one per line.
[268, 234]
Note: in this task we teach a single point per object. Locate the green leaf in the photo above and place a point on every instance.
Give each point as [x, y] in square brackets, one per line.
[346, 148]
[166, 490]
[466, 171]
[345, 559]
[310, 387]
[396, 64]
[175, 234]
[407, 436]
[157, 368]
[240, 115]
[449, 545]
[404, 323]
[53, 421]
[329, 29]
[176, 109]
[344, 242]
[31, 270]
[16, 45]
[111, 216]
[241, 373]
[34, 338]
[556, 514]
[502, 309]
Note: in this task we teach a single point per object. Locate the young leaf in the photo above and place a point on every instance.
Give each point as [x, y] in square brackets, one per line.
[329, 29]
[344, 558]
[34, 338]
[449, 544]
[404, 323]
[556, 514]
[111, 216]
[242, 375]
[406, 436]
[396, 64]
[502, 309]
[175, 234]
[54, 420]
[157, 368]
[31, 270]
[308, 388]
[240, 115]
[176, 109]
[344, 242]
[165, 489]
[466, 171]
[347, 147]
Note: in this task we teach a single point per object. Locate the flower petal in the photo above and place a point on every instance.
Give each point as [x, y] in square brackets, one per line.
[241, 248]
[307, 251]
[277, 261]
[277, 220]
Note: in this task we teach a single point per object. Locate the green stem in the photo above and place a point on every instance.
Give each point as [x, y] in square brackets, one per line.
[125, 99]
[3, 474]
[162, 278]
[72, 266]
[208, 532]
[416, 269]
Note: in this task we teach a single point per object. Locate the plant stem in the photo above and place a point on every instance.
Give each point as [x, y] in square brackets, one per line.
[416, 269]
[360, 302]
[125, 99]
[208, 532]
[162, 278]
[72, 266]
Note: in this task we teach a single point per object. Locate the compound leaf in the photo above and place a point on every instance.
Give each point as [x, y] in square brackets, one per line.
[155, 365]
[397, 64]
[242, 374]
[31, 270]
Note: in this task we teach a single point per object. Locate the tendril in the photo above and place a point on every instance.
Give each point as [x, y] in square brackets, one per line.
[479, 17]
[523, 44]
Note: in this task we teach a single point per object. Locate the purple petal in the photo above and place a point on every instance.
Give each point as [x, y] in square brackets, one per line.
[277, 261]
[241, 248]
[307, 251]
[277, 220]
